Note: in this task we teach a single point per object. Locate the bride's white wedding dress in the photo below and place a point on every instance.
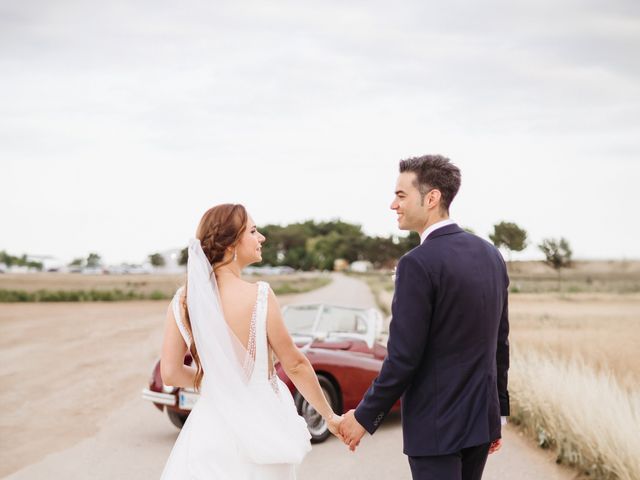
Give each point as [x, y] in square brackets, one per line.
[245, 425]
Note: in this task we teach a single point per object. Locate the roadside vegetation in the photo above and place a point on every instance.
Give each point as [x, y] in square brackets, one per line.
[584, 415]
[301, 285]
[115, 295]
[60, 287]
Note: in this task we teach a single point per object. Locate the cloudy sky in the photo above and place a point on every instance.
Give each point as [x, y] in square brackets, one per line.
[122, 122]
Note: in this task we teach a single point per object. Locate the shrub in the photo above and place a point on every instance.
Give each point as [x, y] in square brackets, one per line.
[158, 295]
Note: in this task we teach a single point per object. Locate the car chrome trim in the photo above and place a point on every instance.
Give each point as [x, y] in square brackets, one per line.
[157, 397]
[168, 389]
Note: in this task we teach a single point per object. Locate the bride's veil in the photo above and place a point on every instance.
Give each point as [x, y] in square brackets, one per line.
[263, 427]
[219, 348]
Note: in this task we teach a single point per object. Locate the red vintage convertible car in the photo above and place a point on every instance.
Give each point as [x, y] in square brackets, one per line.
[344, 345]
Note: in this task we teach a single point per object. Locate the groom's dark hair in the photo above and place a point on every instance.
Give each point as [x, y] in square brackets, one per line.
[434, 172]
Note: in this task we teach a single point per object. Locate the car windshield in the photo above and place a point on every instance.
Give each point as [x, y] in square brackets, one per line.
[300, 319]
[342, 320]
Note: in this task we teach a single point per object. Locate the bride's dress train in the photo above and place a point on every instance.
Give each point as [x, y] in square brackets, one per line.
[245, 425]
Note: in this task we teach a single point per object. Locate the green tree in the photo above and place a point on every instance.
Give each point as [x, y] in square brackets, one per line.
[35, 264]
[292, 246]
[382, 251]
[7, 259]
[184, 256]
[22, 261]
[272, 247]
[409, 242]
[157, 260]
[316, 245]
[557, 255]
[77, 262]
[510, 236]
[93, 260]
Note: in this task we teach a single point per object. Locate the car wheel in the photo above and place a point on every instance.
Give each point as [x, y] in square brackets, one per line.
[177, 418]
[318, 428]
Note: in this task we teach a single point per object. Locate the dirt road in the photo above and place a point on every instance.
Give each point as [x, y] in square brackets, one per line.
[72, 375]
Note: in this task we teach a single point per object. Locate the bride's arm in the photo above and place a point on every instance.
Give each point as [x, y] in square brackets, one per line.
[295, 364]
[172, 368]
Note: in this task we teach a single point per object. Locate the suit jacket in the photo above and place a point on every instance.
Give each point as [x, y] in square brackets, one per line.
[448, 350]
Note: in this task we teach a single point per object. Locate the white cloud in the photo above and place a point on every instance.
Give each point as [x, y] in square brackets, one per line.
[124, 121]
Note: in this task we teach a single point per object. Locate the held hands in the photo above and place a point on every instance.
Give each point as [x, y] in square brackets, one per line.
[333, 422]
[351, 431]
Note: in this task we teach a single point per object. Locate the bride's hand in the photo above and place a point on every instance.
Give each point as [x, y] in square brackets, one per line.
[334, 425]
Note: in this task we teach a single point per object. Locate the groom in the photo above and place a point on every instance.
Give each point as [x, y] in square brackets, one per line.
[448, 350]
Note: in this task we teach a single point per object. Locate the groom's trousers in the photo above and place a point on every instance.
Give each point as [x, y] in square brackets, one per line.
[467, 464]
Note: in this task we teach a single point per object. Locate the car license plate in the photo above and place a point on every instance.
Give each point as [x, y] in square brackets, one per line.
[186, 400]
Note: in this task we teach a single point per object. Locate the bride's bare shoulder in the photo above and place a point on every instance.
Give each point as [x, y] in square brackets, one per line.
[238, 286]
[254, 284]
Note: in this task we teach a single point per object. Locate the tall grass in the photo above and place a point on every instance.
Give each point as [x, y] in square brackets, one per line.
[588, 419]
[281, 285]
[113, 295]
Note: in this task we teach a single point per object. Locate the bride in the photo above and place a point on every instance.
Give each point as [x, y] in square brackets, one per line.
[245, 425]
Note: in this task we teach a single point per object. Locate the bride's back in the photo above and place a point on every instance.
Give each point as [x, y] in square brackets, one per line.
[238, 300]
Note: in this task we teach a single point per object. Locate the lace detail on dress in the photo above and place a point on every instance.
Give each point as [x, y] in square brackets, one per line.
[273, 381]
[177, 313]
[258, 345]
[250, 359]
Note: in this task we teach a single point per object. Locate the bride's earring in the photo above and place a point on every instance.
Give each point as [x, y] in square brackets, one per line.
[235, 255]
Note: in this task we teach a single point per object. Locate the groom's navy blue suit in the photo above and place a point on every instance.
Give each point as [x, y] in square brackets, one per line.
[448, 354]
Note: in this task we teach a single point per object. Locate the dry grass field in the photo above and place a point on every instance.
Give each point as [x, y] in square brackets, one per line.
[75, 287]
[601, 329]
[616, 277]
[575, 378]
[146, 284]
[582, 277]
[584, 415]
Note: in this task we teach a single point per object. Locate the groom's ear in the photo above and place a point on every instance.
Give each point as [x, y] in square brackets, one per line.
[434, 198]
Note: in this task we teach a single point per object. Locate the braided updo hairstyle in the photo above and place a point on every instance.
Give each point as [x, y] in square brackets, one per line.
[219, 229]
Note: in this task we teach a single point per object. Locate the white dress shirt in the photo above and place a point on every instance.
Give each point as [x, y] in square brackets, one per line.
[423, 237]
[435, 226]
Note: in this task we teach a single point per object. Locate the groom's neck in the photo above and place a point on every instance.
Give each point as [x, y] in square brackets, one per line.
[433, 219]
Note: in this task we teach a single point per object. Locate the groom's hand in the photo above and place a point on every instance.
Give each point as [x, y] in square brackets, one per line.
[495, 446]
[351, 431]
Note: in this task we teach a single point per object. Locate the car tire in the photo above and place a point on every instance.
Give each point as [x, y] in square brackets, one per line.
[318, 428]
[177, 418]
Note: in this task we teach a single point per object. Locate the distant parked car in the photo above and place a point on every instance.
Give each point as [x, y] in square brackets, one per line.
[92, 271]
[343, 344]
[361, 266]
[128, 268]
[268, 270]
[139, 269]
